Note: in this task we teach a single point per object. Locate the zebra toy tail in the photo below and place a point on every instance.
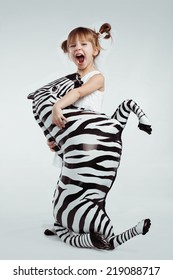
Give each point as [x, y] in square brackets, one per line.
[123, 111]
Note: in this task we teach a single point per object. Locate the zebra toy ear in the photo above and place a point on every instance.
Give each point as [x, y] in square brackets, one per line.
[31, 95]
[76, 78]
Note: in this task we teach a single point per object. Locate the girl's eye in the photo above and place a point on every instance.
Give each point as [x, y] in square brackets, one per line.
[72, 46]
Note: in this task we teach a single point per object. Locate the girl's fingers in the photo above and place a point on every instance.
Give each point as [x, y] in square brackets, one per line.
[51, 145]
[60, 122]
[64, 119]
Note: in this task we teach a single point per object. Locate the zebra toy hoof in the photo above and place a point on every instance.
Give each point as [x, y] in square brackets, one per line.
[143, 226]
[147, 224]
[145, 127]
[49, 232]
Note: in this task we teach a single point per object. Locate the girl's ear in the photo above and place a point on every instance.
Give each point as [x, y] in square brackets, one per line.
[95, 52]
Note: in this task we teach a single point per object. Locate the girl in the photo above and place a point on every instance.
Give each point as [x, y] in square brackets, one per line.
[83, 46]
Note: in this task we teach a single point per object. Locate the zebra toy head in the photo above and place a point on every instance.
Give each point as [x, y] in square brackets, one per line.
[58, 87]
[90, 146]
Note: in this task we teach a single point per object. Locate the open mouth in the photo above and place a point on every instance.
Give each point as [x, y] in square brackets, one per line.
[80, 58]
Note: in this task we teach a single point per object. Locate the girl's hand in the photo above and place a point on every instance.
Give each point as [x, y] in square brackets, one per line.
[57, 116]
[51, 145]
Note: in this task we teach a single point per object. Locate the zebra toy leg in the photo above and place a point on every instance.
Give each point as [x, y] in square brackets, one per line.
[85, 224]
[141, 228]
[123, 111]
[84, 240]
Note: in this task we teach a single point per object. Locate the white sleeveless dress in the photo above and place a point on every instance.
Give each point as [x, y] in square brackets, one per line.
[94, 100]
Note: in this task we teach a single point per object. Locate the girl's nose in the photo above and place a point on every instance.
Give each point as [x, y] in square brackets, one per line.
[78, 46]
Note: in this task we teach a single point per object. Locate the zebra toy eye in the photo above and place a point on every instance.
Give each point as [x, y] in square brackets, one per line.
[55, 88]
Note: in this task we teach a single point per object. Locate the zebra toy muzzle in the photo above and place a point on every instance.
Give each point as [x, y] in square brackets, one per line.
[90, 146]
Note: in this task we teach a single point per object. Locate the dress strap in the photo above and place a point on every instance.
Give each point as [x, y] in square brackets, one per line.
[89, 75]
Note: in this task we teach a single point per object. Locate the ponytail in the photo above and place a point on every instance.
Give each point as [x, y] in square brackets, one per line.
[64, 46]
[104, 31]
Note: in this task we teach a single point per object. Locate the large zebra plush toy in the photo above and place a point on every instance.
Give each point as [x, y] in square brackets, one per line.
[90, 146]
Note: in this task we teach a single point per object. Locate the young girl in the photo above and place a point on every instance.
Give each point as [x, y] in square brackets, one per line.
[83, 46]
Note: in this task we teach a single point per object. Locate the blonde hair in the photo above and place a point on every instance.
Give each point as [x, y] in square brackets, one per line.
[90, 35]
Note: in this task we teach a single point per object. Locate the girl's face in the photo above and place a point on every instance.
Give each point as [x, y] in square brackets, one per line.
[82, 53]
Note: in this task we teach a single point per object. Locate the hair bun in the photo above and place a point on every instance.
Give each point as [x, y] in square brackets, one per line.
[105, 28]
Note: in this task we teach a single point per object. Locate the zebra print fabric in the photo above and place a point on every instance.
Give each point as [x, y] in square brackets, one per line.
[90, 146]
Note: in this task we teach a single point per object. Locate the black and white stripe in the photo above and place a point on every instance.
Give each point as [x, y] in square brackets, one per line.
[90, 146]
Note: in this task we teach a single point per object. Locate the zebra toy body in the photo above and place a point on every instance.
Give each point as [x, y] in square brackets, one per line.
[90, 147]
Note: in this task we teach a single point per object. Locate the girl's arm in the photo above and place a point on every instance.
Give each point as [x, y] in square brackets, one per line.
[94, 83]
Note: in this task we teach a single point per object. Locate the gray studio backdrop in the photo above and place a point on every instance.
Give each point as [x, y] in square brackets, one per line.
[137, 64]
